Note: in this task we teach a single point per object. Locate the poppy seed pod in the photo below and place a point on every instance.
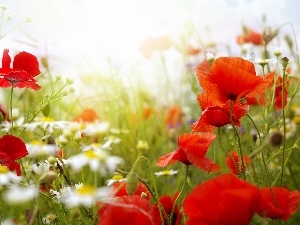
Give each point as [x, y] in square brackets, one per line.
[275, 139]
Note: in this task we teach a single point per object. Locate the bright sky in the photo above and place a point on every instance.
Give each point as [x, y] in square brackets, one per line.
[80, 35]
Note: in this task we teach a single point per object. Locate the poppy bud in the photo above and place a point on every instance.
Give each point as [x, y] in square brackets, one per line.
[48, 177]
[132, 183]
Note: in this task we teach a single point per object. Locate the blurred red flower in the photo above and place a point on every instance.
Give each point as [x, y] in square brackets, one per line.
[120, 189]
[225, 200]
[25, 67]
[192, 148]
[167, 203]
[250, 36]
[233, 78]
[11, 149]
[287, 202]
[233, 162]
[278, 93]
[126, 210]
[174, 116]
[88, 115]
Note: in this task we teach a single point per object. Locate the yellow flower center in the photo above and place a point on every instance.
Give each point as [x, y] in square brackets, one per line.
[3, 169]
[86, 190]
[90, 154]
[47, 119]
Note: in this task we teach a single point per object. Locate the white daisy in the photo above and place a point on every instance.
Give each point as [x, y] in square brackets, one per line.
[38, 148]
[8, 177]
[20, 194]
[97, 160]
[166, 173]
[47, 124]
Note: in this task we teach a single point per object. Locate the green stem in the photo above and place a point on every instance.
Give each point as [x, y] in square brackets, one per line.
[228, 153]
[174, 205]
[11, 107]
[239, 143]
[284, 125]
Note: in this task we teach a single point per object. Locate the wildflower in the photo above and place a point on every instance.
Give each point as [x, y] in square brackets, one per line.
[11, 149]
[49, 218]
[125, 210]
[16, 195]
[120, 189]
[97, 160]
[281, 203]
[225, 199]
[88, 115]
[25, 67]
[8, 177]
[114, 179]
[48, 124]
[39, 148]
[93, 129]
[84, 195]
[250, 36]
[240, 77]
[215, 113]
[235, 166]
[192, 148]
[174, 116]
[166, 173]
[279, 94]
[167, 203]
[142, 145]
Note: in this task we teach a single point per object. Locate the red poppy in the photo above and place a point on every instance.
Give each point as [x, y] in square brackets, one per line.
[11, 149]
[287, 202]
[120, 189]
[278, 93]
[174, 116]
[167, 203]
[88, 115]
[204, 65]
[225, 200]
[250, 36]
[233, 78]
[233, 162]
[25, 67]
[126, 210]
[192, 148]
[217, 114]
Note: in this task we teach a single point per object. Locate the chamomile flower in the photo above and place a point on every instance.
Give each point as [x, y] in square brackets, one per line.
[47, 124]
[98, 128]
[6, 125]
[84, 195]
[8, 177]
[16, 195]
[38, 148]
[114, 179]
[166, 173]
[49, 218]
[97, 160]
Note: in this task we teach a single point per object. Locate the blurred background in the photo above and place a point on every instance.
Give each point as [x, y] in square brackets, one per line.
[79, 37]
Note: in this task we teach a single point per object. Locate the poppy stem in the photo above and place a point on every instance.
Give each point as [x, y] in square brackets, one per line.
[11, 107]
[183, 186]
[228, 153]
[239, 143]
[283, 120]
